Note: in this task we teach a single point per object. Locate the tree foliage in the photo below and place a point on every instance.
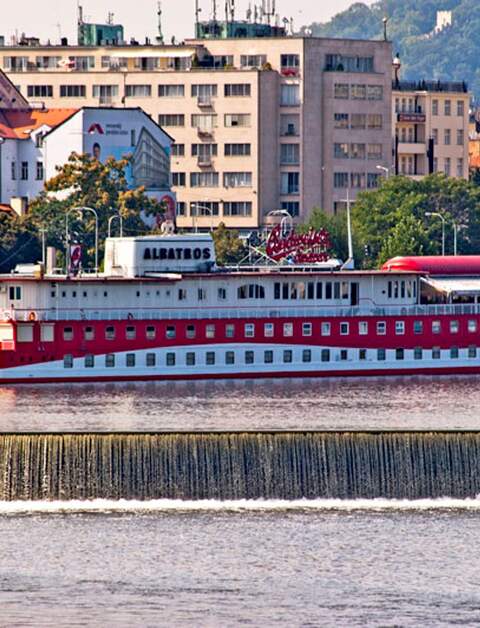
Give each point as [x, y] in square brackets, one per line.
[451, 54]
[18, 242]
[229, 248]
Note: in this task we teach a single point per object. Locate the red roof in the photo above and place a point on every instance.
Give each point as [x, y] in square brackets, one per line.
[436, 264]
[5, 208]
[19, 123]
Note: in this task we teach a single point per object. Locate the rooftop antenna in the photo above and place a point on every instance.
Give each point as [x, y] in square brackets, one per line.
[159, 37]
[249, 12]
[110, 18]
[80, 13]
[214, 10]
[268, 9]
[197, 13]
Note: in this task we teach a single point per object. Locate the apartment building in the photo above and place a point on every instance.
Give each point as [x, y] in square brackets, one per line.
[430, 128]
[259, 124]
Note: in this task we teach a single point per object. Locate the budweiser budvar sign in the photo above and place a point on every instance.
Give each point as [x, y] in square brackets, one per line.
[299, 248]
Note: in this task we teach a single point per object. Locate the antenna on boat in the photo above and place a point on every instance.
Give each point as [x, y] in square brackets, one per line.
[350, 263]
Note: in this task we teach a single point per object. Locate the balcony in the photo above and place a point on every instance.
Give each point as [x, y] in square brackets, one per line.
[411, 147]
[205, 102]
[205, 133]
[204, 161]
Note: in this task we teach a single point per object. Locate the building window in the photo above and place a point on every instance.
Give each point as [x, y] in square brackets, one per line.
[130, 360]
[374, 151]
[110, 360]
[229, 357]
[237, 89]
[325, 329]
[289, 95]
[237, 150]
[447, 137]
[39, 171]
[325, 355]
[290, 154]
[178, 150]
[460, 167]
[344, 63]
[105, 93]
[374, 92]
[249, 357]
[130, 332]
[290, 183]
[13, 170]
[73, 91]
[210, 358]
[237, 179]
[341, 120]
[40, 91]
[249, 330]
[170, 359]
[340, 150]
[292, 207]
[204, 179]
[447, 166]
[237, 208]
[237, 119]
[448, 107]
[358, 121]
[252, 61]
[171, 119]
[340, 179]
[341, 90]
[374, 121]
[460, 108]
[434, 107]
[178, 179]
[399, 328]
[138, 91]
[289, 61]
[436, 327]
[358, 92]
[68, 361]
[399, 354]
[460, 137]
[363, 328]
[381, 355]
[344, 329]
[24, 171]
[171, 91]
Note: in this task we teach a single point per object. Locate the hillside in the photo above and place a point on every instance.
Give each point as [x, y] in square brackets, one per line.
[452, 54]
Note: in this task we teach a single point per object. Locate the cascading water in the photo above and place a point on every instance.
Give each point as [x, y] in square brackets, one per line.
[230, 466]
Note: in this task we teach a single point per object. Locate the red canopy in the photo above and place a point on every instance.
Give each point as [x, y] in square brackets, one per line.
[436, 264]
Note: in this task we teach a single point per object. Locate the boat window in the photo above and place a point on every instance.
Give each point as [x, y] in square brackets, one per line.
[110, 360]
[68, 361]
[381, 355]
[287, 355]
[89, 333]
[110, 332]
[307, 355]
[229, 357]
[89, 361]
[310, 290]
[182, 294]
[130, 359]
[249, 357]
[454, 353]
[328, 290]
[362, 354]
[285, 291]
[363, 328]
[343, 355]
[418, 327]
[251, 291]
[15, 293]
[389, 289]
[268, 357]
[417, 353]
[288, 329]
[130, 332]
[150, 359]
[344, 329]
[436, 327]
[268, 330]
[381, 328]
[454, 327]
[68, 333]
[472, 351]
[325, 329]
[336, 290]
[210, 331]
[249, 330]
[210, 358]
[402, 289]
[222, 294]
[276, 290]
[325, 355]
[472, 326]
[436, 353]
[395, 289]
[190, 358]
[202, 294]
[306, 329]
[150, 332]
[400, 328]
[344, 290]
[170, 359]
[319, 290]
[47, 332]
[399, 354]
[229, 331]
[190, 331]
[170, 332]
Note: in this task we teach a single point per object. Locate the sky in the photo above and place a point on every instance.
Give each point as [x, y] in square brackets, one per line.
[48, 18]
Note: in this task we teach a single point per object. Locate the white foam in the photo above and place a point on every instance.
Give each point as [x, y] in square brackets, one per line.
[242, 505]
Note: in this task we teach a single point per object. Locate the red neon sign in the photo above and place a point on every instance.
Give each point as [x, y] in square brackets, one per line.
[304, 248]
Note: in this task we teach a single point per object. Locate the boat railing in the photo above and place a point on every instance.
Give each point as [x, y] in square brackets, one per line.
[156, 313]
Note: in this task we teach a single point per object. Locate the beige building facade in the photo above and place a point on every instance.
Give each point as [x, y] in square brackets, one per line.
[259, 124]
[430, 128]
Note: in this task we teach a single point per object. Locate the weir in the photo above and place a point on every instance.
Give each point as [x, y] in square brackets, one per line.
[243, 465]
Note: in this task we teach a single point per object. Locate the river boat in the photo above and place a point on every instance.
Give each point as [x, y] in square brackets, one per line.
[163, 310]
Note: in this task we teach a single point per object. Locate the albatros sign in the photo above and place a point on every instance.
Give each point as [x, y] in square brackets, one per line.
[149, 255]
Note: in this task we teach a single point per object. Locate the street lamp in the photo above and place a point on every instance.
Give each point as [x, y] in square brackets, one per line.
[111, 219]
[80, 211]
[286, 218]
[455, 232]
[384, 169]
[443, 228]
[204, 208]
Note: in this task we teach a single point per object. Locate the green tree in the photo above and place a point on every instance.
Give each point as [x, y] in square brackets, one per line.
[229, 248]
[408, 237]
[18, 242]
[86, 181]
[335, 224]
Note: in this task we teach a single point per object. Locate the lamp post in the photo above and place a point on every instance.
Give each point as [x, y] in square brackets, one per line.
[384, 169]
[80, 211]
[286, 218]
[455, 232]
[209, 210]
[443, 227]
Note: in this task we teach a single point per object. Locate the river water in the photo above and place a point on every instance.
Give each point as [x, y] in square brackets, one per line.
[262, 563]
